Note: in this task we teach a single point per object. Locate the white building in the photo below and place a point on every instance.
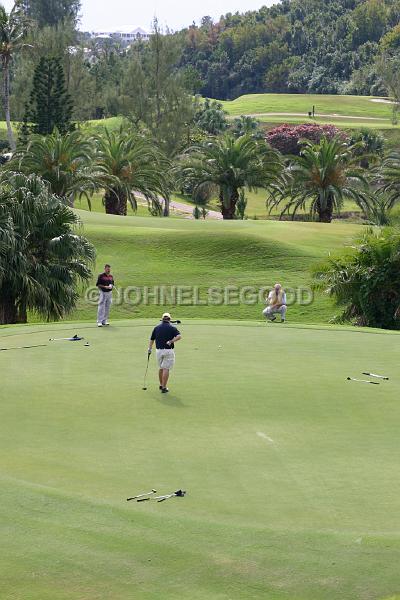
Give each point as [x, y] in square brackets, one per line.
[124, 36]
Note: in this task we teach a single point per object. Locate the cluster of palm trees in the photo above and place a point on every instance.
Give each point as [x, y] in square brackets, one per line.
[126, 166]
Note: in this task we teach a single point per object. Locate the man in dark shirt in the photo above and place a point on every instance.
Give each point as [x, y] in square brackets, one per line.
[164, 335]
[105, 283]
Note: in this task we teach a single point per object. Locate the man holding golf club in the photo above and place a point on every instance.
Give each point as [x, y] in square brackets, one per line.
[165, 336]
[105, 283]
[276, 304]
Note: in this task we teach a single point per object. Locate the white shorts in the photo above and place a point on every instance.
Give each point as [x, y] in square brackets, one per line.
[166, 359]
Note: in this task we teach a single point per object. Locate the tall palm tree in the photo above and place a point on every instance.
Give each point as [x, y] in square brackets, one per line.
[43, 259]
[132, 166]
[231, 164]
[65, 162]
[322, 177]
[13, 28]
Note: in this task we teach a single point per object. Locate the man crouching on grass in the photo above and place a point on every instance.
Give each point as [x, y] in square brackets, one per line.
[164, 335]
[276, 304]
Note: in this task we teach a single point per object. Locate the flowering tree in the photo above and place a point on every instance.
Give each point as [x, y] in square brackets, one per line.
[287, 138]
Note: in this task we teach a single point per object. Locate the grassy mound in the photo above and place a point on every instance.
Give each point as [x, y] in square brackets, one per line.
[291, 471]
[150, 251]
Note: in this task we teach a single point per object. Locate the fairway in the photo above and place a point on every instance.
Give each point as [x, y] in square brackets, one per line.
[291, 471]
[344, 111]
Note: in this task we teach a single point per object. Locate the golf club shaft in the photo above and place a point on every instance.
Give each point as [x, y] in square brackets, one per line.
[377, 376]
[23, 347]
[147, 368]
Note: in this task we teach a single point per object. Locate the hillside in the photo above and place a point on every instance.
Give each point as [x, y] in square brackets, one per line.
[302, 46]
[151, 251]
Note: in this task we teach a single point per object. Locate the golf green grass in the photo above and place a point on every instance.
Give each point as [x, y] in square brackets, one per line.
[355, 106]
[291, 471]
[151, 251]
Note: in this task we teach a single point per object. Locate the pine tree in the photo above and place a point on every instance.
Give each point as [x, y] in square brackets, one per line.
[51, 12]
[50, 105]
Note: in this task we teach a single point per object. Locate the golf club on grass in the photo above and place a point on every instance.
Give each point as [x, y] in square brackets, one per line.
[362, 381]
[145, 375]
[177, 494]
[23, 347]
[75, 338]
[377, 376]
[141, 497]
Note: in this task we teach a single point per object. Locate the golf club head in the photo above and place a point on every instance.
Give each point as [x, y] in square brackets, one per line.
[144, 389]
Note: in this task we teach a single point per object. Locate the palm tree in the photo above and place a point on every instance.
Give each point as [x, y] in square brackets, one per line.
[43, 259]
[132, 166]
[387, 178]
[322, 176]
[364, 279]
[13, 27]
[231, 164]
[65, 162]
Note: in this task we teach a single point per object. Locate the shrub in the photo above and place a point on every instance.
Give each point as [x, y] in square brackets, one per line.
[287, 138]
[365, 279]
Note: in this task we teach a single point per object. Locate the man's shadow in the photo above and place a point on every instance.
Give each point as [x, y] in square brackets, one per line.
[170, 400]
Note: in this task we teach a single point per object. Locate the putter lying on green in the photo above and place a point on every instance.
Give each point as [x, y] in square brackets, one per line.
[141, 497]
[377, 376]
[362, 381]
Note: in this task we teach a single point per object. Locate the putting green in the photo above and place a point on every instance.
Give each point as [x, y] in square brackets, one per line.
[291, 471]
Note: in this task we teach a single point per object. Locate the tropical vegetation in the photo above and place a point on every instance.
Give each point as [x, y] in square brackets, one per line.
[231, 164]
[364, 280]
[43, 257]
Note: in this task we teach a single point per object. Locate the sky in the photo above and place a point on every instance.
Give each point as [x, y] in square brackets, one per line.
[129, 14]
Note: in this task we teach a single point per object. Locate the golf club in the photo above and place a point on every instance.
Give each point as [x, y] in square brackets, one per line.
[145, 375]
[362, 381]
[178, 493]
[142, 496]
[377, 376]
[22, 347]
[75, 338]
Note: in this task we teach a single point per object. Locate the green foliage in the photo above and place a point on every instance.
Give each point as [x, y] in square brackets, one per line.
[210, 117]
[368, 144]
[51, 12]
[132, 165]
[13, 28]
[322, 177]
[65, 162]
[153, 91]
[42, 259]
[365, 280]
[50, 105]
[230, 164]
[241, 205]
[246, 125]
[303, 46]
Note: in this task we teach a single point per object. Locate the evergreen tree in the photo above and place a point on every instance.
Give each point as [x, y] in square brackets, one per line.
[52, 12]
[50, 105]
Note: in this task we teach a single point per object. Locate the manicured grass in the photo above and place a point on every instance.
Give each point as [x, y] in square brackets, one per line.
[353, 106]
[151, 251]
[291, 471]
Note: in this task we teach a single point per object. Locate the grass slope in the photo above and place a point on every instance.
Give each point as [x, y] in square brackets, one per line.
[291, 471]
[345, 111]
[149, 251]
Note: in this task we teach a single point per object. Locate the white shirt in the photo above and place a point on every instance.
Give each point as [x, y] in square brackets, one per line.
[272, 294]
